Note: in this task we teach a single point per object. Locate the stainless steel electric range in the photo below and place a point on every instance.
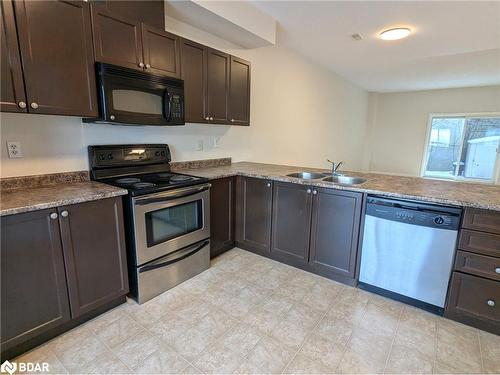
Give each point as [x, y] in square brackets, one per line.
[167, 215]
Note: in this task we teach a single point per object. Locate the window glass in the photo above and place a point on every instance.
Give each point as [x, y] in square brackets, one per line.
[463, 148]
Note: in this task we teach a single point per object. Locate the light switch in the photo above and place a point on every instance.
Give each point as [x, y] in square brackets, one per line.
[14, 149]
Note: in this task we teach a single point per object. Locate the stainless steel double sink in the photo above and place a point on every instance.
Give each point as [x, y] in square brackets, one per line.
[327, 177]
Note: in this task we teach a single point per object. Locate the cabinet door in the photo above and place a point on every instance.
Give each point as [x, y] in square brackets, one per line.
[335, 231]
[94, 253]
[12, 98]
[218, 86]
[253, 212]
[194, 74]
[34, 296]
[291, 222]
[239, 92]
[221, 215]
[117, 40]
[161, 51]
[151, 12]
[56, 47]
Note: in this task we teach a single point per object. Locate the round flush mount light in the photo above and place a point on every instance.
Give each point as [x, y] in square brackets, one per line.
[395, 33]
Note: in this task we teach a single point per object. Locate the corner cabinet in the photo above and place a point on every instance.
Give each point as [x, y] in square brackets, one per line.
[254, 204]
[239, 92]
[72, 262]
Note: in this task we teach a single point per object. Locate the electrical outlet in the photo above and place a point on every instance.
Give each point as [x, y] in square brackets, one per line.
[216, 142]
[199, 145]
[14, 149]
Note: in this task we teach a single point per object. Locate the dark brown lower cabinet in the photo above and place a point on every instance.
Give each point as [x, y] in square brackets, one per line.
[336, 218]
[94, 253]
[291, 224]
[58, 266]
[254, 199]
[222, 198]
[475, 301]
[34, 293]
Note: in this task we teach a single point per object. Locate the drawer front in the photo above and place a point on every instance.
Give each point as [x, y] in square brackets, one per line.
[479, 265]
[479, 242]
[483, 220]
[475, 299]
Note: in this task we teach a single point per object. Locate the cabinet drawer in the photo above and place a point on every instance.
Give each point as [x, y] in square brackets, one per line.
[479, 265]
[474, 300]
[479, 242]
[483, 220]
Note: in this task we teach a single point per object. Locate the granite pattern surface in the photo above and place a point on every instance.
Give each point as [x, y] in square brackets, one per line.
[9, 183]
[14, 201]
[434, 191]
[194, 164]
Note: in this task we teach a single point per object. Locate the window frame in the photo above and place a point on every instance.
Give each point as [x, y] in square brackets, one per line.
[466, 115]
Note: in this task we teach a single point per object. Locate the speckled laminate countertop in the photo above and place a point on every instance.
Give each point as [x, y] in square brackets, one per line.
[435, 191]
[38, 198]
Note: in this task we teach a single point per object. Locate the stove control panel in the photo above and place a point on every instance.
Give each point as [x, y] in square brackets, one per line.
[128, 155]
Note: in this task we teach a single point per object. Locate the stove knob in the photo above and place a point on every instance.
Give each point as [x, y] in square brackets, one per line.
[110, 156]
[438, 220]
[157, 153]
[101, 157]
[163, 153]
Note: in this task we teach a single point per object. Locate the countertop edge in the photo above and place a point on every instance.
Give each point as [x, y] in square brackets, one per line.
[360, 189]
[62, 202]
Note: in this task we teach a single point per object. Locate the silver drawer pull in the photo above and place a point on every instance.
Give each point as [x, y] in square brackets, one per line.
[308, 191]
[268, 184]
[497, 270]
[22, 105]
[315, 192]
[64, 213]
[491, 303]
[54, 215]
[34, 105]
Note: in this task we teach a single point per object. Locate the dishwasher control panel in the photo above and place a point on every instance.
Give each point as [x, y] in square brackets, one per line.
[423, 214]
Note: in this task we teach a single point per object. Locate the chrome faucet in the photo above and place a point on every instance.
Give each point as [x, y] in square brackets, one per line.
[335, 167]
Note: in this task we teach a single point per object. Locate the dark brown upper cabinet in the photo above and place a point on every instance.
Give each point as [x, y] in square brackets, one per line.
[13, 97]
[222, 215]
[254, 203]
[194, 74]
[336, 219]
[239, 92]
[151, 12]
[117, 40]
[292, 204]
[55, 41]
[218, 86]
[34, 295]
[161, 51]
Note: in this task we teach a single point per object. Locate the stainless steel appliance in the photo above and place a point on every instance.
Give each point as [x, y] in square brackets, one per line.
[130, 97]
[167, 215]
[408, 250]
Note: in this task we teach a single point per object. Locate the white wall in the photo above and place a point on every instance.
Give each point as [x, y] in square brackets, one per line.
[300, 114]
[398, 123]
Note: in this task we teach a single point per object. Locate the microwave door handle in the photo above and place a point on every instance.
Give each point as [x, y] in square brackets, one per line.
[178, 257]
[167, 100]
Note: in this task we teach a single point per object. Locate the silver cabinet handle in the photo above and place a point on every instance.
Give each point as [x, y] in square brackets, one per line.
[34, 105]
[308, 191]
[497, 270]
[211, 119]
[268, 184]
[64, 213]
[491, 303]
[54, 215]
[207, 118]
[141, 65]
[112, 117]
[148, 66]
[232, 120]
[21, 104]
[315, 192]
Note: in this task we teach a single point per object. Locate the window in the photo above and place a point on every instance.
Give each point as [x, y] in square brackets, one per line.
[463, 148]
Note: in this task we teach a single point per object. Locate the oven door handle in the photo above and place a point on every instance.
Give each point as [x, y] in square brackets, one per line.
[183, 254]
[169, 195]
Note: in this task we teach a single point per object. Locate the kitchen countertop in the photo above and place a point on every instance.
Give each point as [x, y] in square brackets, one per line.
[435, 191]
[20, 200]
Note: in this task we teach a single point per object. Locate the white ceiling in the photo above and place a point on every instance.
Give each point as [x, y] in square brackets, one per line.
[454, 44]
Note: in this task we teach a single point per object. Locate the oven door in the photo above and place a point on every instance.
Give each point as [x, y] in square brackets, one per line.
[168, 221]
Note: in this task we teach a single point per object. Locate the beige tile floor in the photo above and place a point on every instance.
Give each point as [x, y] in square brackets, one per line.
[248, 314]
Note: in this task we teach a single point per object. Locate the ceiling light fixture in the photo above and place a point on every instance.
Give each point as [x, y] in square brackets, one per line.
[395, 33]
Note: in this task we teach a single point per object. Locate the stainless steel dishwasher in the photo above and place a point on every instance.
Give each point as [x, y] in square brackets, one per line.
[408, 250]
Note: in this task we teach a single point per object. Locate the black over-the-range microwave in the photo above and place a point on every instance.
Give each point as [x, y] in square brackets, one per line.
[129, 97]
